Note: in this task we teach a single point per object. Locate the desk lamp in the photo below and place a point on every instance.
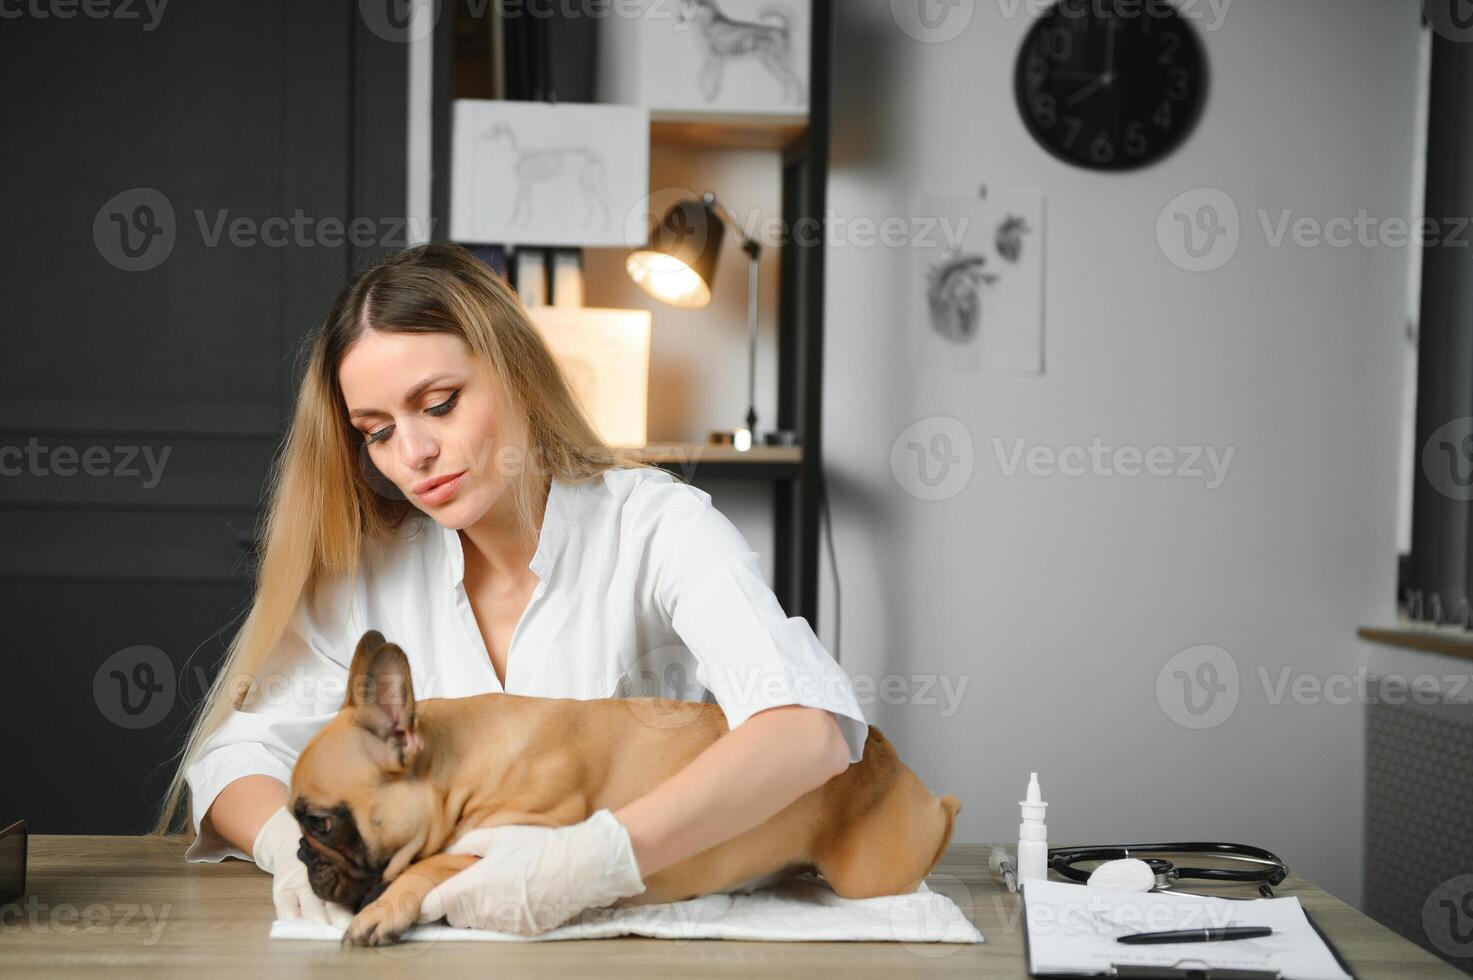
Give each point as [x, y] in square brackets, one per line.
[678, 268]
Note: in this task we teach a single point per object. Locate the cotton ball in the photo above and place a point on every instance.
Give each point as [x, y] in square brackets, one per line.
[1127, 875]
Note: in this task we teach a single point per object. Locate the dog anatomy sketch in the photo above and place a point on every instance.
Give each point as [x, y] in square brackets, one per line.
[769, 39]
[580, 165]
[954, 295]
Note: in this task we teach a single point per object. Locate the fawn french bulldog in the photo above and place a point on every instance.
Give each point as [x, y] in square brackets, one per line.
[390, 782]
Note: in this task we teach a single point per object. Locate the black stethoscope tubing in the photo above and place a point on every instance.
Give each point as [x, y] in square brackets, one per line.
[1272, 871]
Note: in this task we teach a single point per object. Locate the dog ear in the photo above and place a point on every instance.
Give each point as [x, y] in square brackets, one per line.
[369, 645]
[380, 688]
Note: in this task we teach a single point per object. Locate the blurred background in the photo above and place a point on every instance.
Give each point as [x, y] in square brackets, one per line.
[1096, 376]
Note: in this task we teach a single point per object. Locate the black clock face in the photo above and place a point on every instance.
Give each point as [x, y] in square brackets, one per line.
[1111, 84]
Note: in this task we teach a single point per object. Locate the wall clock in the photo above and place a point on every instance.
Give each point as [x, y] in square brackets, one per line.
[1111, 84]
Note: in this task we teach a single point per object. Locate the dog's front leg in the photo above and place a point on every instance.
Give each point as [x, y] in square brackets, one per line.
[386, 918]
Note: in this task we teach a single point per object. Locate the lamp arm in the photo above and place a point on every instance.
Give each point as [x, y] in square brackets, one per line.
[753, 251]
[752, 248]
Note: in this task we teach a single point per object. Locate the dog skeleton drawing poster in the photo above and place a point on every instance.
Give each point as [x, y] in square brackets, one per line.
[979, 283]
[730, 38]
[531, 173]
[725, 55]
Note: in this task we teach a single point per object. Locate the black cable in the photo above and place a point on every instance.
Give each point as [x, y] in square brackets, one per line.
[823, 496]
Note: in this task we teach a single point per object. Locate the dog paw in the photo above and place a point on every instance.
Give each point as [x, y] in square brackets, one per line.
[379, 924]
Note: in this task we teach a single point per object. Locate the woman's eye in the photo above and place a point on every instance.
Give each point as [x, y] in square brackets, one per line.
[445, 406]
[437, 410]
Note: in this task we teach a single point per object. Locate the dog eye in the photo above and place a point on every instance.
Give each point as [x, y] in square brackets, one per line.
[321, 826]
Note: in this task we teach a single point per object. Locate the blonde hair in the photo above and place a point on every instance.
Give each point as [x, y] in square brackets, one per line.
[322, 503]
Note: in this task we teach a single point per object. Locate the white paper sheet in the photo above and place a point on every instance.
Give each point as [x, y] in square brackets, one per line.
[605, 355]
[979, 283]
[797, 909]
[1073, 928]
[534, 173]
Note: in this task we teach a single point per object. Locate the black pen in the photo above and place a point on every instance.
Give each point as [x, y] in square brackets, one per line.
[1196, 935]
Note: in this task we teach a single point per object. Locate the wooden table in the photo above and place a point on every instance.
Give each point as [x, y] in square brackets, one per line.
[124, 906]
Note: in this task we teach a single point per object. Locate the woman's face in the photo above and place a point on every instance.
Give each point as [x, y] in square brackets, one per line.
[431, 420]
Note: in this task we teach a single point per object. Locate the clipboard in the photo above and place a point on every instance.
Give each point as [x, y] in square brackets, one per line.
[1170, 973]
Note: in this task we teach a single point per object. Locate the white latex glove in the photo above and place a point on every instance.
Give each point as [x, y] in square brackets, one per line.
[532, 879]
[275, 850]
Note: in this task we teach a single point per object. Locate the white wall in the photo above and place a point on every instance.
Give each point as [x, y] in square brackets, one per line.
[1058, 598]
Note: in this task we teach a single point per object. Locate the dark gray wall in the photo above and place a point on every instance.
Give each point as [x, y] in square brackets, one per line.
[147, 371]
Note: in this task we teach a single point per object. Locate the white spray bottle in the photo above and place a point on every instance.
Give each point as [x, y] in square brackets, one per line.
[1033, 834]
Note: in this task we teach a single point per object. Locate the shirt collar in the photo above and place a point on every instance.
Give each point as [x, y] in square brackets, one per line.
[557, 518]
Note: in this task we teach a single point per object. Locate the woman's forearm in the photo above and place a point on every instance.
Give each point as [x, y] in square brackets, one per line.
[742, 779]
[242, 807]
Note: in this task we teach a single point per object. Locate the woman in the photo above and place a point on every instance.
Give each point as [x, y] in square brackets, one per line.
[440, 484]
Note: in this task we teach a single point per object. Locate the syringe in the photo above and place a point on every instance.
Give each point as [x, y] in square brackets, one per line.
[1001, 864]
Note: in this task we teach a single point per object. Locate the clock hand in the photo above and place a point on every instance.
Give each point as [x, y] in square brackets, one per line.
[1105, 78]
[1088, 90]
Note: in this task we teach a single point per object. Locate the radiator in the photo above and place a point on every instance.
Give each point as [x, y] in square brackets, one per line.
[1419, 821]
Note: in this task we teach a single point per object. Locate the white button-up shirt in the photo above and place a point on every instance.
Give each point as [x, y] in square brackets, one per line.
[645, 589]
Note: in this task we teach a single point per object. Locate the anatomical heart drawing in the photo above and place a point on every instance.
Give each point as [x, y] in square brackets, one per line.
[979, 281]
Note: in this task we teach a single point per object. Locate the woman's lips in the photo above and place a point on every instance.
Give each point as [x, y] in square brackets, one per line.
[438, 491]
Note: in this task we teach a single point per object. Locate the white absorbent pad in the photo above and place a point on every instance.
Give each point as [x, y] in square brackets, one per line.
[797, 909]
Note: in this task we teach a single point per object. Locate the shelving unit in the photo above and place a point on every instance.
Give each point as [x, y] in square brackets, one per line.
[726, 130]
[796, 473]
[689, 459]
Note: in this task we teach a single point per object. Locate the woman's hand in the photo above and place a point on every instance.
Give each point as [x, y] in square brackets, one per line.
[275, 850]
[532, 879]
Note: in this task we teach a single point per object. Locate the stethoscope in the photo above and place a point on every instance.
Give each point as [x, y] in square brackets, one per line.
[1267, 870]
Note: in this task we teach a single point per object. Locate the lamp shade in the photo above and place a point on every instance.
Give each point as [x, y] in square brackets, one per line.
[679, 265]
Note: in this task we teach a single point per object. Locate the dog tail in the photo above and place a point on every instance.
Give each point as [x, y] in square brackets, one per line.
[778, 12]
